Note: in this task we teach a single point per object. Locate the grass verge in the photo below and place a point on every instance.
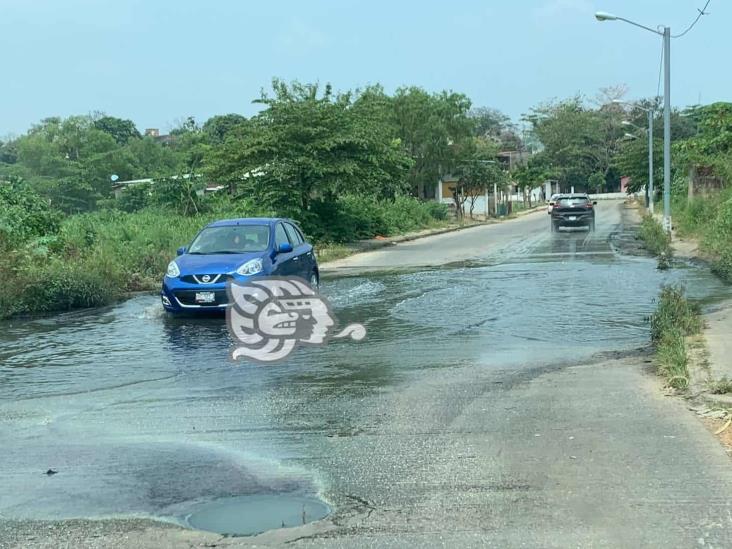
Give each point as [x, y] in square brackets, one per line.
[709, 220]
[674, 320]
[656, 240]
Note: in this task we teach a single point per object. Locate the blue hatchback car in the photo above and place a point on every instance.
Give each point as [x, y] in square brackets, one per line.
[237, 249]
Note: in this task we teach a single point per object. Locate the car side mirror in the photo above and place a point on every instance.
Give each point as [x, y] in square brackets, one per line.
[284, 248]
[181, 250]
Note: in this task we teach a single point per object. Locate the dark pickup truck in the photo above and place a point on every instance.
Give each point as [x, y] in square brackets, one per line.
[573, 210]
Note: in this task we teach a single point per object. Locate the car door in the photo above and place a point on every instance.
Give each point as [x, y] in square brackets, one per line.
[302, 264]
[283, 262]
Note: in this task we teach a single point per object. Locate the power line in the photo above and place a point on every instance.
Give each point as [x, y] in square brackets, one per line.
[694, 22]
[660, 72]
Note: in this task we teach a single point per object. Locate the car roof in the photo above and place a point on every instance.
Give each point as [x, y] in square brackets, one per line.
[245, 221]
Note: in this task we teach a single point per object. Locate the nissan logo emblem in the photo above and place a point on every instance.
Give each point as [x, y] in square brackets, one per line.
[206, 278]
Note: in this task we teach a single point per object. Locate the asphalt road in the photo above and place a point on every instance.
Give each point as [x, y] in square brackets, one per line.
[482, 242]
[505, 400]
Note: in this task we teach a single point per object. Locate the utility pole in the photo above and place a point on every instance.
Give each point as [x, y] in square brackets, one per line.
[650, 161]
[666, 35]
[667, 128]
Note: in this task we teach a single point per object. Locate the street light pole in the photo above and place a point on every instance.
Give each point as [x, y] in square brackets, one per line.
[650, 161]
[666, 34]
[667, 129]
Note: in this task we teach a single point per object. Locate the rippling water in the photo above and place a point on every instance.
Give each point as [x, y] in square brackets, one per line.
[126, 397]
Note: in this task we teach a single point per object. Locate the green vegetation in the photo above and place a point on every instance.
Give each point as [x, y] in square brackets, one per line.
[94, 258]
[346, 166]
[702, 150]
[656, 240]
[674, 320]
[709, 219]
[721, 386]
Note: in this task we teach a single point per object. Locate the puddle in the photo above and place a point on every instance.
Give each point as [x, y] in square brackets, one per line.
[249, 515]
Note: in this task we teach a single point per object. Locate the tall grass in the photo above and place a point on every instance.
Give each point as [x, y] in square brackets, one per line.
[96, 258]
[673, 321]
[709, 219]
[654, 238]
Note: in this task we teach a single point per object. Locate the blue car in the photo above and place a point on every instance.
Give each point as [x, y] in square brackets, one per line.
[237, 249]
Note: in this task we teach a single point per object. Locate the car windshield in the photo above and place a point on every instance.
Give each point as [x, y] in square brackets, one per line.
[569, 201]
[236, 239]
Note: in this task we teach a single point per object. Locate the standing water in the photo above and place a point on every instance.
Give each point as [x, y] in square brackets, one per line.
[145, 415]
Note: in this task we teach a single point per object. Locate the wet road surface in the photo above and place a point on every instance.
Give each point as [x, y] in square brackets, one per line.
[499, 400]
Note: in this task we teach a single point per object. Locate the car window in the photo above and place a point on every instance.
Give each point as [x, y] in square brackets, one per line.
[233, 239]
[299, 233]
[281, 236]
[573, 201]
[294, 235]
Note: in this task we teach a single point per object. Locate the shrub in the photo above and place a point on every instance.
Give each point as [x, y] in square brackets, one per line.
[352, 218]
[60, 286]
[674, 312]
[722, 267]
[134, 197]
[675, 318]
[24, 215]
[655, 239]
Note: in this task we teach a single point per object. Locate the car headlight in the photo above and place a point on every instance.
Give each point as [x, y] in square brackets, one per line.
[251, 267]
[173, 270]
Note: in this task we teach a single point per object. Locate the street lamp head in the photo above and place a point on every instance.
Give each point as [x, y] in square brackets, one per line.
[604, 16]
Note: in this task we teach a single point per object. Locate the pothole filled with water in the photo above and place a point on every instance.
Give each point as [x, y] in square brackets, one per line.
[249, 515]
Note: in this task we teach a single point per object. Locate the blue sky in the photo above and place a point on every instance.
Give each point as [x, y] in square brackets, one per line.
[158, 61]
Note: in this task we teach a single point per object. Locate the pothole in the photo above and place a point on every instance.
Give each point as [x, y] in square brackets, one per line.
[250, 515]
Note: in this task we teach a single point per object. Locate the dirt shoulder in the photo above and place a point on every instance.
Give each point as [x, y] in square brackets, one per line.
[711, 353]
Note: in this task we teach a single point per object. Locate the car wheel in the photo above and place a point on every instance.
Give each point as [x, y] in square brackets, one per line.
[314, 281]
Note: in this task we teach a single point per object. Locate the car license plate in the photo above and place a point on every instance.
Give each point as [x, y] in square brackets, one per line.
[205, 297]
[573, 218]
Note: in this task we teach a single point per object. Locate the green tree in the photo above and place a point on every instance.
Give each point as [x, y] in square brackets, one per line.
[434, 129]
[493, 124]
[578, 141]
[217, 128]
[121, 130]
[8, 152]
[309, 143]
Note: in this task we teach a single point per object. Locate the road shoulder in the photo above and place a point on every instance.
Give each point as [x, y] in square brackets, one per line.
[710, 363]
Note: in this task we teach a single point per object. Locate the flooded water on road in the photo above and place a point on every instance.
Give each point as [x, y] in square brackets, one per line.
[145, 415]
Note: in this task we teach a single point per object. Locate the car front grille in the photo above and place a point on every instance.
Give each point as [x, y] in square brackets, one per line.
[200, 278]
[188, 298]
